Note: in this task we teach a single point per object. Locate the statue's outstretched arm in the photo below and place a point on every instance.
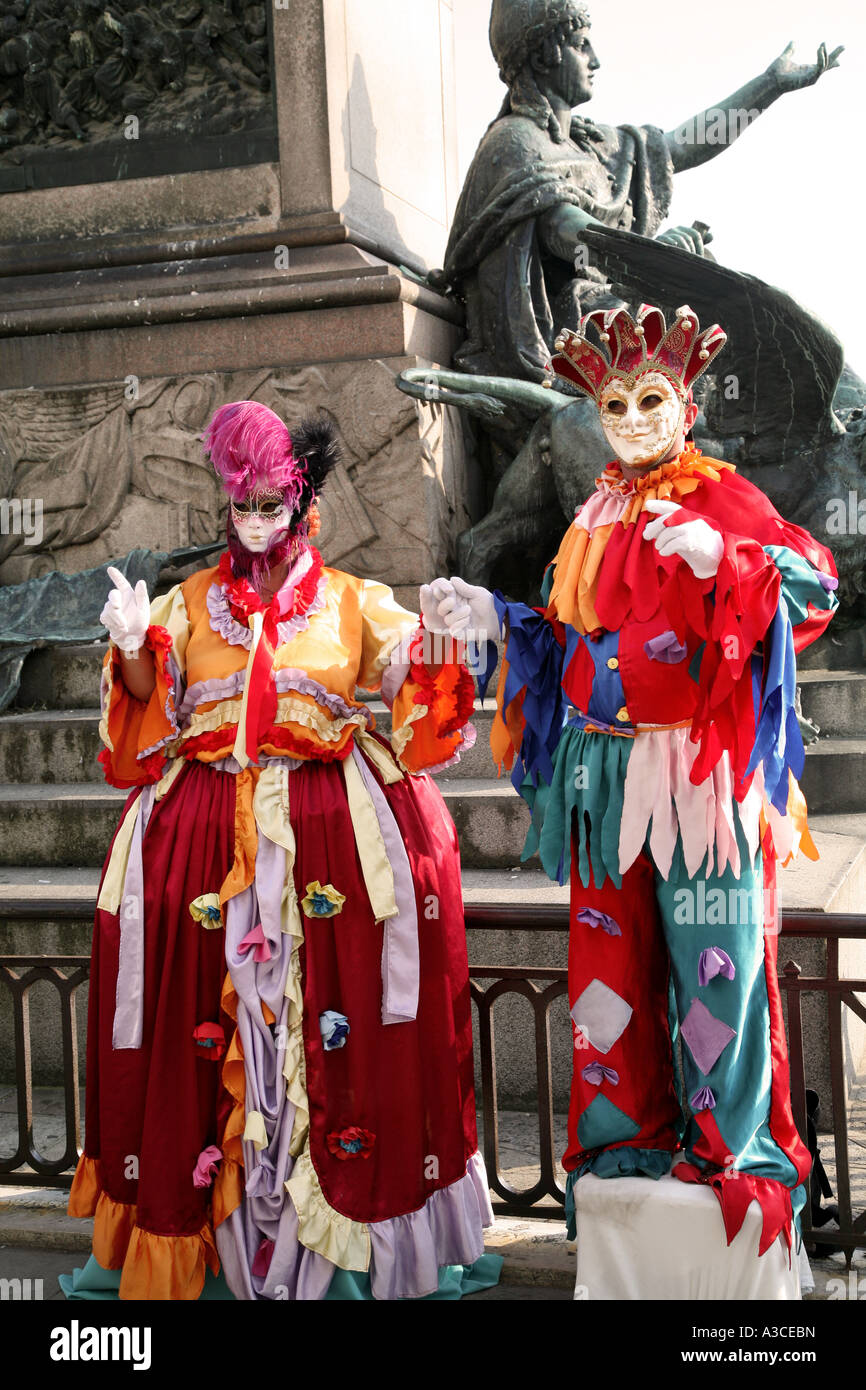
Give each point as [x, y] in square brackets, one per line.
[703, 136]
[482, 395]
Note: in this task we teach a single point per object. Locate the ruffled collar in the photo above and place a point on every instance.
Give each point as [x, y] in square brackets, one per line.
[292, 600]
[689, 462]
[672, 480]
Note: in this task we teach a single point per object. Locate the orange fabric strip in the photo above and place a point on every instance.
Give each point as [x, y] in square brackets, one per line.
[243, 870]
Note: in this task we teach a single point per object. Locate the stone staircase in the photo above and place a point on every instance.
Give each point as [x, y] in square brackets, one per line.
[56, 812]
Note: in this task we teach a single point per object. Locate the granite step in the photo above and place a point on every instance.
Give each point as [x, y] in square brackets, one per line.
[57, 746]
[835, 701]
[68, 678]
[69, 825]
[72, 823]
[836, 883]
[65, 677]
[834, 777]
[537, 1257]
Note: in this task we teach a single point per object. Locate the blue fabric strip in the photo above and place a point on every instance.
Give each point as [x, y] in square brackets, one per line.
[778, 741]
[535, 661]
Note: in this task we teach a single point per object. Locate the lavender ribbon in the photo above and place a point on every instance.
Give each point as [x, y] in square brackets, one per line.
[596, 1072]
[714, 961]
[703, 1099]
[594, 918]
[129, 995]
[401, 966]
[828, 582]
[665, 648]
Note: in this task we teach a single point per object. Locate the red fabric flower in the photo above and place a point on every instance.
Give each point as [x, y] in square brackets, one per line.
[351, 1143]
[210, 1040]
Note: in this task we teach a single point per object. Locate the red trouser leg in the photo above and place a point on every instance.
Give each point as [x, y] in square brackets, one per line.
[617, 959]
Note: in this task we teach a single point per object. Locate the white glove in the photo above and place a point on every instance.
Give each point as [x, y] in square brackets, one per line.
[694, 541]
[458, 608]
[127, 613]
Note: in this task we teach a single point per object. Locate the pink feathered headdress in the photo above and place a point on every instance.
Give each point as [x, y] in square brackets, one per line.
[251, 448]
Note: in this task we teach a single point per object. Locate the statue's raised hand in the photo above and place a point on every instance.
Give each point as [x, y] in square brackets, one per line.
[790, 76]
[127, 613]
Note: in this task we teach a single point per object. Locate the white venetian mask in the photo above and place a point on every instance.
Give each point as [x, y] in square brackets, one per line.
[258, 518]
[641, 422]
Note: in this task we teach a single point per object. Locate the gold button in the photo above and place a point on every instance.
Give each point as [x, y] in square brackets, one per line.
[613, 664]
[622, 715]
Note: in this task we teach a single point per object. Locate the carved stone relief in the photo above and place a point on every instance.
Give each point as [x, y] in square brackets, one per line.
[114, 467]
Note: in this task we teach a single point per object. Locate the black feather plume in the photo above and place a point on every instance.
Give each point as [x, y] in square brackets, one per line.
[315, 441]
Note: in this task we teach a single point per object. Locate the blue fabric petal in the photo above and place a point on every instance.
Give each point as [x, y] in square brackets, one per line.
[334, 1028]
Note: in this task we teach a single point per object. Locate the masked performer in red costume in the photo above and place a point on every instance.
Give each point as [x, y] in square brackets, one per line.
[280, 1050]
[672, 615]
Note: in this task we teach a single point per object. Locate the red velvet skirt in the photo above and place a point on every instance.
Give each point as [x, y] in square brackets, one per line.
[151, 1111]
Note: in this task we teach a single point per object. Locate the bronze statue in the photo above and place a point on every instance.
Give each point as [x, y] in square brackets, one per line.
[542, 175]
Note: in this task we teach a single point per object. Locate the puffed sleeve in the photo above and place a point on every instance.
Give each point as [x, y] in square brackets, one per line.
[136, 733]
[421, 677]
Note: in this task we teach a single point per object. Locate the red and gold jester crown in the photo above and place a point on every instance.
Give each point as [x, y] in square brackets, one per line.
[637, 346]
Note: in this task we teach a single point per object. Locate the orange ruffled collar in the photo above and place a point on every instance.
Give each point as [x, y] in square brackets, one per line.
[677, 478]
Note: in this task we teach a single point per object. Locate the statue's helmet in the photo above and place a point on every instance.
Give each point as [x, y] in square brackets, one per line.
[517, 26]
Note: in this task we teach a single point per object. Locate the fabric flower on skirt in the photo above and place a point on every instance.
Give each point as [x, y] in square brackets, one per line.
[335, 1029]
[206, 1166]
[256, 939]
[322, 901]
[210, 1040]
[351, 1143]
[206, 910]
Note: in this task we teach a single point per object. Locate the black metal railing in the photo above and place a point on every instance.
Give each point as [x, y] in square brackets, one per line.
[539, 985]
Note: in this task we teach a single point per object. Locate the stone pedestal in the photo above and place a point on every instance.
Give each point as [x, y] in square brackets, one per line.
[132, 308]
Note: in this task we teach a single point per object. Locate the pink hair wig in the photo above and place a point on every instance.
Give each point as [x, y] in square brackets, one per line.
[251, 448]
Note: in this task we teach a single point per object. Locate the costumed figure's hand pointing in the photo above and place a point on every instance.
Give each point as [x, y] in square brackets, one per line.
[693, 541]
[127, 613]
[790, 76]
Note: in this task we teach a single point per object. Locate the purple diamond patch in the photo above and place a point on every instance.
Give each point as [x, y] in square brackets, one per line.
[705, 1036]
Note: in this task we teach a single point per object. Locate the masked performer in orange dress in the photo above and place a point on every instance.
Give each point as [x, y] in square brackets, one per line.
[280, 1048]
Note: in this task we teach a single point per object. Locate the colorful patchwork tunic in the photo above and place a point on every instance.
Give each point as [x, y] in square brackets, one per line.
[652, 718]
[280, 1049]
